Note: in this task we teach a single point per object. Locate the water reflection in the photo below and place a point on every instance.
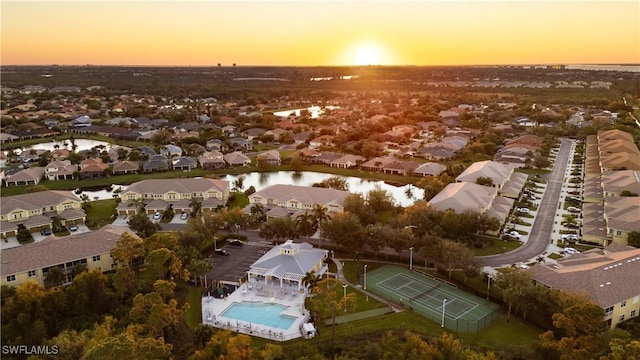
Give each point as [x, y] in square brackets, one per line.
[81, 145]
[403, 195]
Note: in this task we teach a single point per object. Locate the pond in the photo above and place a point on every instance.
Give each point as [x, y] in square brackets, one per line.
[81, 145]
[403, 195]
[314, 111]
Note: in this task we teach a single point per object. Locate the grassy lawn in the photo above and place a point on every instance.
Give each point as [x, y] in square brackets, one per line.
[193, 316]
[101, 213]
[241, 200]
[555, 256]
[499, 334]
[533, 171]
[497, 247]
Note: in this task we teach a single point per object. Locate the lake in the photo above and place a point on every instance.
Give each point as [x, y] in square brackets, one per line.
[81, 145]
[308, 178]
[315, 111]
[305, 178]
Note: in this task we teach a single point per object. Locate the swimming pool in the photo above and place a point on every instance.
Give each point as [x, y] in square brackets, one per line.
[259, 313]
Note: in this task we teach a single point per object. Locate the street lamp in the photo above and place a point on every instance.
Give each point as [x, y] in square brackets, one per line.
[444, 306]
[411, 258]
[365, 276]
[344, 295]
[488, 285]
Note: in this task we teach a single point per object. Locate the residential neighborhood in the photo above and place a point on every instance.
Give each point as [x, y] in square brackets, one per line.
[501, 194]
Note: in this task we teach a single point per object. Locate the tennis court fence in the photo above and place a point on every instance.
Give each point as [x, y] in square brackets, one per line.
[436, 278]
[463, 324]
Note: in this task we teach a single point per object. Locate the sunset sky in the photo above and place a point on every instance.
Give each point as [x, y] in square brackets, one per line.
[324, 33]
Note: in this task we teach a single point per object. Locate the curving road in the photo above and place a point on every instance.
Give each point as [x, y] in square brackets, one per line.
[541, 229]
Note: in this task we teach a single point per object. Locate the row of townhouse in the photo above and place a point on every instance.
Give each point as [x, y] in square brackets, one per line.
[611, 208]
[96, 168]
[158, 195]
[495, 200]
[608, 276]
[37, 211]
[32, 262]
[292, 200]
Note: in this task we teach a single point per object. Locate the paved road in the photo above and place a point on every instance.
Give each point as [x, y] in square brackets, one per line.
[541, 230]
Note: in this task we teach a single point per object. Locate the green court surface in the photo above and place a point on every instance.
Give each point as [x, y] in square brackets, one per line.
[434, 298]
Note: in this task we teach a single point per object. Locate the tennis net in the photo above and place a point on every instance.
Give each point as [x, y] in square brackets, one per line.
[421, 294]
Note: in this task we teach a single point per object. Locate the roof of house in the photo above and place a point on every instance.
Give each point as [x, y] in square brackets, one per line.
[182, 186]
[626, 161]
[614, 134]
[496, 171]
[623, 213]
[59, 250]
[236, 157]
[26, 174]
[608, 275]
[462, 196]
[269, 155]
[36, 200]
[126, 165]
[289, 259]
[303, 194]
[618, 181]
[430, 168]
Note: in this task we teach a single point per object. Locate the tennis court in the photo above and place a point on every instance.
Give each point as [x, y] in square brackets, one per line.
[431, 297]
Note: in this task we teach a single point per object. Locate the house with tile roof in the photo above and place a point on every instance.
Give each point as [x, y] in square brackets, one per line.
[608, 276]
[508, 182]
[29, 176]
[237, 158]
[161, 194]
[269, 158]
[294, 198]
[212, 160]
[288, 263]
[92, 168]
[125, 167]
[60, 170]
[347, 161]
[463, 196]
[32, 262]
[430, 169]
[34, 211]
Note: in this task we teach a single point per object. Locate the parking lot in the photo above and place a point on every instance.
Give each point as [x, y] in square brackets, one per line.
[234, 267]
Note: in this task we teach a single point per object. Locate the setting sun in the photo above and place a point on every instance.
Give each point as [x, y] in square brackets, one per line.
[367, 55]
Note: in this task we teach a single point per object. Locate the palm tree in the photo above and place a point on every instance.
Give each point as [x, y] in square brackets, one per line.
[305, 224]
[54, 277]
[310, 279]
[258, 213]
[320, 215]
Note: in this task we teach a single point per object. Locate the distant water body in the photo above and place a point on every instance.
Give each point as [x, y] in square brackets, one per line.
[632, 68]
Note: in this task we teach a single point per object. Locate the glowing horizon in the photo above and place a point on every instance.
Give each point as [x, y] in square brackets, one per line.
[320, 33]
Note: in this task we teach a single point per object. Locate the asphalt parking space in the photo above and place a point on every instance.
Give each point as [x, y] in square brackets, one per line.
[234, 266]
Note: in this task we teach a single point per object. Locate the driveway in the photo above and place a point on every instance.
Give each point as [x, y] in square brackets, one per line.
[541, 231]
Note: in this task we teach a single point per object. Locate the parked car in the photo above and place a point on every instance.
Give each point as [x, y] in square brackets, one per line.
[574, 192]
[570, 237]
[235, 242]
[571, 251]
[45, 232]
[73, 228]
[222, 252]
[157, 216]
[573, 209]
[523, 210]
[184, 216]
[512, 234]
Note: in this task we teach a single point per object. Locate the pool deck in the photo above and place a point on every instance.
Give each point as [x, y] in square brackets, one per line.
[258, 292]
